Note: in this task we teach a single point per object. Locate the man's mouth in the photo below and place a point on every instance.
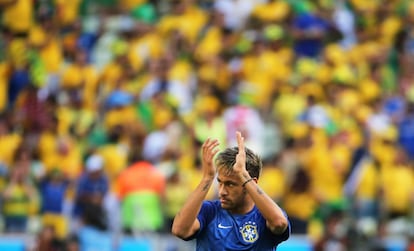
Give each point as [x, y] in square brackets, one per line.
[223, 201]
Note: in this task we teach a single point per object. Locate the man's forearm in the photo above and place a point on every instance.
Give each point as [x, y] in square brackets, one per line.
[275, 218]
[183, 225]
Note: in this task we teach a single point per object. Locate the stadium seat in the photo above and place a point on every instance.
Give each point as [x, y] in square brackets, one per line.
[12, 245]
[395, 244]
[296, 243]
[134, 244]
[94, 240]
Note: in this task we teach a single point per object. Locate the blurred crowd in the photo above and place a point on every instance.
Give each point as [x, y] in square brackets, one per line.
[105, 104]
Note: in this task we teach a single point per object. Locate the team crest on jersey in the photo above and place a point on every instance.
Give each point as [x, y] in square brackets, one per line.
[249, 232]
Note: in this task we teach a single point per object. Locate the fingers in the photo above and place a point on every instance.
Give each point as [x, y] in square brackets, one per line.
[240, 141]
[240, 164]
[210, 143]
[210, 147]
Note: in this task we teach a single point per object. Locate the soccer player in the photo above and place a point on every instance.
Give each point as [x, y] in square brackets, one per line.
[244, 217]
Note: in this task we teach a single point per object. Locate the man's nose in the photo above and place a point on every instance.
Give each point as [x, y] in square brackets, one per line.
[222, 189]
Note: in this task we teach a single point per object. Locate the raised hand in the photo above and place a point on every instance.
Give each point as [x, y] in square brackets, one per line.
[208, 150]
[240, 166]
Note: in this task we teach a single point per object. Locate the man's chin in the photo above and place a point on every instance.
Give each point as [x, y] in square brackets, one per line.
[225, 205]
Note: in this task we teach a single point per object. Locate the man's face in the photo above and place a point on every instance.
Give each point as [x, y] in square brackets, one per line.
[231, 193]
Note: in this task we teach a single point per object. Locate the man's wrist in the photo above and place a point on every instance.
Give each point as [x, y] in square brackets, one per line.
[247, 181]
[245, 176]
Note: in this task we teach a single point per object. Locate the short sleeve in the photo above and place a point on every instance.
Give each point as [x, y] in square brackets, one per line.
[277, 238]
[286, 234]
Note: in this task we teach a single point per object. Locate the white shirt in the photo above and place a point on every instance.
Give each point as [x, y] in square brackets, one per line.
[236, 12]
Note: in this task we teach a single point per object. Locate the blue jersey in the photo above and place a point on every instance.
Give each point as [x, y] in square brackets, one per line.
[222, 231]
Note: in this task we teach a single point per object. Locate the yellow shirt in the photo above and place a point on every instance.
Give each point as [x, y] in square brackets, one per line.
[85, 77]
[260, 73]
[77, 119]
[210, 45]
[149, 45]
[69, 163]
[341, 156]
[72, 77]
[52, 55]
[115, 159]
[68, 11]
[369, 89]
[59, 222]
[110, 76]
[182, 71]
[47, 144]
[384, 153]
[300, 205]
[273, 11]
[18, 203]
[50, 50]
[120, 116]
[367, 188]
[389, 28]
[323, 74]
[398, 186]
[314, 89]
[17, 53]
[187, 159]
[66, 118]
[326, 180]
[3, 85]
[365, 5]
[8, 145]
[60, 153]
[19, 16]
[272, 181]
[189, 23]
[175, 194]
[288, 106]
[214, 73]
[90, 89]
[349, 100]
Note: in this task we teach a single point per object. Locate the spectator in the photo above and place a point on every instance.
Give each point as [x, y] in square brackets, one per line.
[18, 198]
[53, 191]
[397, 196]
[72, 243]
[140, 188]
[20, 77]
[273, 180]
[160, 83]
[48, 241]
[21, 10]
[208, 119]
[91, 189]
[334, 239]
[80, 79]
[300, 202]
[406, 129]
[309, 31]
[176, 192]
[236, 12]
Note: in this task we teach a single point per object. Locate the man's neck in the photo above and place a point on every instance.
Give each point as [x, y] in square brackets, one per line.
[246, 208]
